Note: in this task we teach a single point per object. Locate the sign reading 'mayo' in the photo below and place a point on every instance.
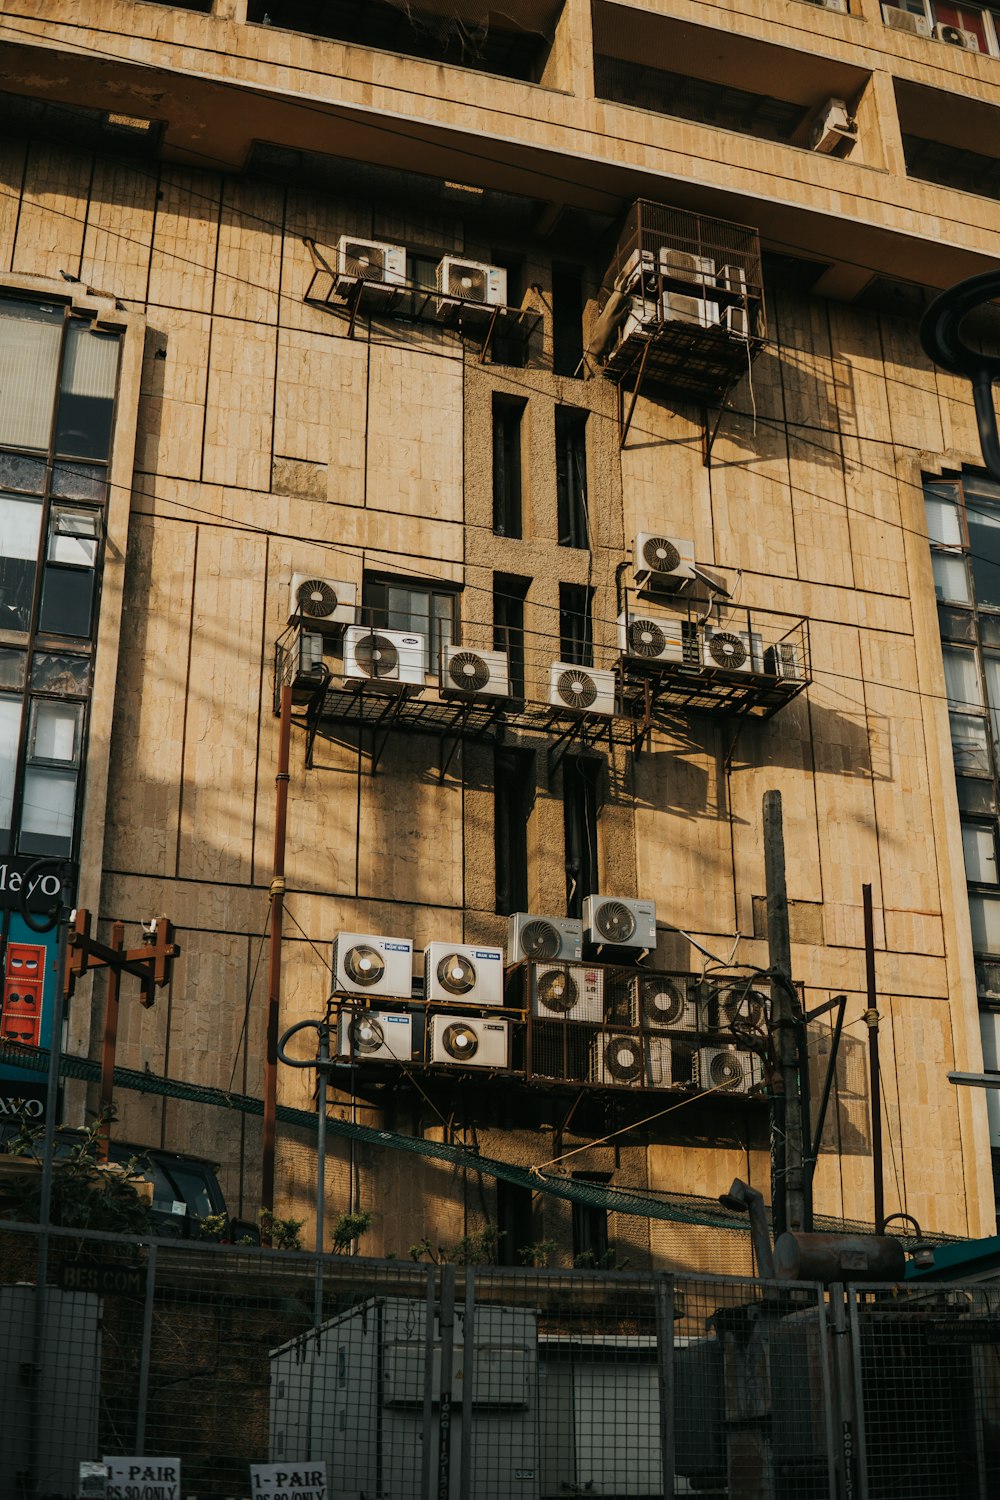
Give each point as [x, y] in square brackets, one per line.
[305, 1481]
[144, 1478]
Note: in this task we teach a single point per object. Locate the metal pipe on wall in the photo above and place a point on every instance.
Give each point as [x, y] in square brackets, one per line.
[274, 956]
[871, 1021]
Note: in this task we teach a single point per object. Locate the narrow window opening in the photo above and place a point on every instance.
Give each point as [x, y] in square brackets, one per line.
[513, 796]
[507, 417]
[580, 815]
[509, 591]
[515, 1224]
[567, 321]
[571, 476]
[576, 629]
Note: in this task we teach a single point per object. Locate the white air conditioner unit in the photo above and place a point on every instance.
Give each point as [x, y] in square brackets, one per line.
[369, 260]
[735, 316]
[651, 638]
[369, 964]
[681, 265]
[393, 658]
[374, 1035]
[636, 272]
[679, 308]
[320, 603]
[310, 658]
[733, 650]
[470, 281]
[735, 1005]
[956, 37]
[832, 126]
[663, 562]
[568, 992]
[735, 1070]
[616, 1059]
[659, 1061]
[906, 20]
[612, 922]
[643, 316]
[474, 674]
[468, 1041]
[663, 1001]
[588, 690]
[543, 938]
[463, 971]
[784, 660]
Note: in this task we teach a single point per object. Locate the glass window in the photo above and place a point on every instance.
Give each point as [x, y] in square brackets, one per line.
[67, 601]
[47, 814]
[576, 634]
[951, 581]
[985, 914]
[18, 471]
[958, 624]
[73, 536]
[976, 796]
[982, 517]
[30, 337]
[78, 481]
[20, 523]
[509, 593]
[944, 523]
[10, 733]
[87, 392]
[979, 844]
[421, 611]
[55, 731]
[961, 677]
[970, 745]
[54, 672]
[12, 664]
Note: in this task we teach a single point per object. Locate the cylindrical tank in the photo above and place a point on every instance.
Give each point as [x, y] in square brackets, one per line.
[838, 1257]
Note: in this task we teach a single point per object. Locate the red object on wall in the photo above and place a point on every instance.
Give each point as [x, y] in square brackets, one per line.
[24, 983]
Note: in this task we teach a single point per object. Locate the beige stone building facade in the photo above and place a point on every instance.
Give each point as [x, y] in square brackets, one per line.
[175, 182]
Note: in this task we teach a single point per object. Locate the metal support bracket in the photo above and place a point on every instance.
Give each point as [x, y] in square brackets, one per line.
[708, 438]
[625, 424]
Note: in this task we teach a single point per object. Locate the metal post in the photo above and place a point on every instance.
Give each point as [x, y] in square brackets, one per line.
[446, 1319]
[427, 1455]
[468, 1377]
[110, 1046]
[274, 956]
[144, 1353]
[665, 1369]
[827, 1373]
[788, 1204]
[855, 1440]
[321, 1067]
[871, 1021]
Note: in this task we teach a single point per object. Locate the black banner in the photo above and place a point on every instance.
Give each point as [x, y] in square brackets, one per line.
[46, 883]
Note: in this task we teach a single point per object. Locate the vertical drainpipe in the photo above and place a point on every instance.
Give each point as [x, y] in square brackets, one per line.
[274, 956]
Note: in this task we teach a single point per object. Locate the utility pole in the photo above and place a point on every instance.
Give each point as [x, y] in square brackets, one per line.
[788, 1197]
[874, 1074]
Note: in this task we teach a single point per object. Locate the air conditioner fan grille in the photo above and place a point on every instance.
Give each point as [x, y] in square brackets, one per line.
[614, 922]
[726, 1070]
[367, 1035]
[646, 638]
[728, 650]
[557, 992]
[539, 940]
[623, 1058]
[577, 689]
[460, 1041]
[660, 555]
[456, 974]
[316, 598]
[663, 1003]
[376, 656]
[364, 965]
[468, 671]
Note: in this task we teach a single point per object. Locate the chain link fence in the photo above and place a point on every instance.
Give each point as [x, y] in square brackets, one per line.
[412, 1381]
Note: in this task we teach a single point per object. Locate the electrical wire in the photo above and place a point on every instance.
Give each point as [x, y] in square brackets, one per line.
[241, 1040]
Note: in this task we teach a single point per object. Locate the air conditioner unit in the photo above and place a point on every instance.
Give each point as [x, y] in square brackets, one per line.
[642, 317]
[733, 650]
[784, 660]
[636, 271]
[543, 938]
[735, 316]
[665, 1001]
[838, 5]
[588, 690]
[468, 1041]
[374, 1035]
[659, 1061]
[652, 638]
[320, 603]
[394, 658]
[474, 674]
[569, 992]
[616, 1059]
[832, 126]
[956, 37]
[681, 265]
[736, 1004]
[678, 308]
[663, 562]
[369, 260]
[729, 1069]
[310, 658]
[607, 920]
[368, 964]
[906, 20]
[462, 971]
[470, 281]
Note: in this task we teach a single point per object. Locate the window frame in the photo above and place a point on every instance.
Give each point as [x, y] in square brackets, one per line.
[433, 589]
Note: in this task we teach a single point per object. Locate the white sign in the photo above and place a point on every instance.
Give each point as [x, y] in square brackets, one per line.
[144, 1478]
[299, 1481]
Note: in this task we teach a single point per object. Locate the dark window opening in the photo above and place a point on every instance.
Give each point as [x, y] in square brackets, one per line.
[509, 593]
[567, 321]
[952, 167]
[513, 349]
[571, 476]
[697, 99]
[394, 604]
[442, 38]
[590, 1228]
[513, 796]
[507, 465]
[580, 813]
[515, 1224]
[576, 630]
